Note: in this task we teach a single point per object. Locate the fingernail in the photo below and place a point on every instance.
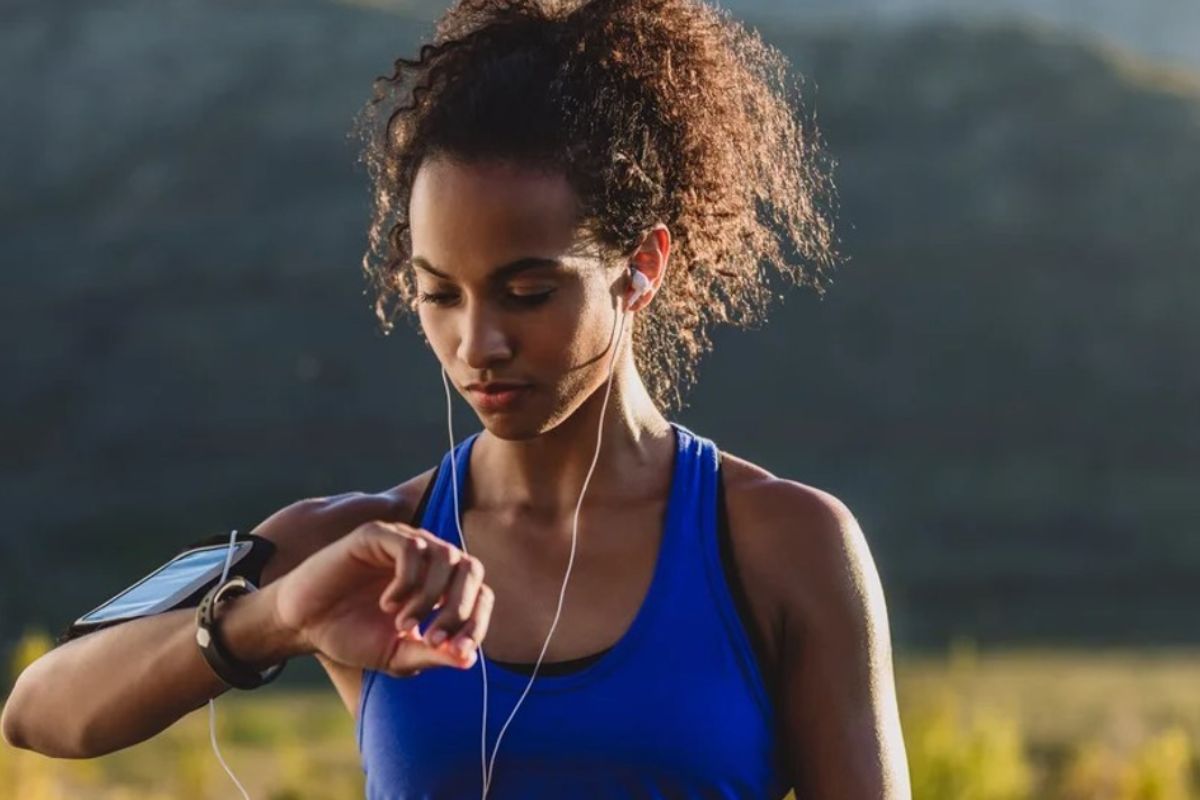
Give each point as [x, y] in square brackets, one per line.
[405, 624]
[464, 647]
[437, 637]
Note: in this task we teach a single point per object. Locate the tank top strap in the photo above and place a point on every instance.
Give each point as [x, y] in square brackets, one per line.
[703, 566]
[439, 511]
[687, 510]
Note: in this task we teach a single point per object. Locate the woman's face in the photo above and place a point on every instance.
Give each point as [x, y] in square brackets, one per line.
[509, 292]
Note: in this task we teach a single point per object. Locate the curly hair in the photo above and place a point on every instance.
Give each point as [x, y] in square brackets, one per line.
[653, 110]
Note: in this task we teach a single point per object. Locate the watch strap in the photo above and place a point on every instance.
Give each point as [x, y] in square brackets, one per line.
[233, 672]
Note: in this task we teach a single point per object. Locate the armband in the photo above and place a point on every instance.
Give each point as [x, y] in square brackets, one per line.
[179, 583]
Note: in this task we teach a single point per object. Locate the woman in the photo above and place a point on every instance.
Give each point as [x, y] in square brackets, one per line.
[723, 631]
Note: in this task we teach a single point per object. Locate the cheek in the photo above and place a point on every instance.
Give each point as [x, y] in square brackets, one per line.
[556, 334]
[577, 336]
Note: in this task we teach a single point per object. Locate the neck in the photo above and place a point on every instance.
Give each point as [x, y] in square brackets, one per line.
[545, 474]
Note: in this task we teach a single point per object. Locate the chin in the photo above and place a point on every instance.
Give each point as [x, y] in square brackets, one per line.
[511, 428]
[516, 425]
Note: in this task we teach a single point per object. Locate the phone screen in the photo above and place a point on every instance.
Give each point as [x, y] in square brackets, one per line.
[167, 585]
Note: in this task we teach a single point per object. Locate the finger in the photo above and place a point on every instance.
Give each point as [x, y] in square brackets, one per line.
[422, 533]
[377, 543]
[409, 656]
[459, 600]
[409, 571]
[440, 560]
[472, 633]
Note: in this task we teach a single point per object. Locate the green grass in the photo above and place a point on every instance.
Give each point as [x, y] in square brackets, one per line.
[1010, 725]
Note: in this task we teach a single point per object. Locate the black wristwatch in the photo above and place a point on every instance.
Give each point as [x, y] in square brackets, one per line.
[233, 672]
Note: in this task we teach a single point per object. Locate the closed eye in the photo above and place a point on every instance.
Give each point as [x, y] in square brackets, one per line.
[530, 300]
[524, 300]
[436, 298]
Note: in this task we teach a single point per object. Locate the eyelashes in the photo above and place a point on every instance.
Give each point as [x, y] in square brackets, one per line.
[435, 299]
[520, 300]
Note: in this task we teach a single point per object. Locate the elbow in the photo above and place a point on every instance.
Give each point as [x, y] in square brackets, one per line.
[10, 729]
[20, 734]
[11, 717]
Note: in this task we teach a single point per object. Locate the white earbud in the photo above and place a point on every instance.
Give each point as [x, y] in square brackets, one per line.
[641, 286]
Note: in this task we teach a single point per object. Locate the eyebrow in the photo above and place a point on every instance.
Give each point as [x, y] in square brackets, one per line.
[499, 273]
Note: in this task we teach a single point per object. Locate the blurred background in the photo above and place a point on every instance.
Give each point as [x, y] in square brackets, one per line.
[1008, 399]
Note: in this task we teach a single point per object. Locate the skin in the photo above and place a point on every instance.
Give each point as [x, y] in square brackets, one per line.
[814, 594]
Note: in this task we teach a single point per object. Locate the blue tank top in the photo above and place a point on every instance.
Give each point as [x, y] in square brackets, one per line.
[677, 708]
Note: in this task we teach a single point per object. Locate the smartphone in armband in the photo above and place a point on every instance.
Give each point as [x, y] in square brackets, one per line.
[180, 583]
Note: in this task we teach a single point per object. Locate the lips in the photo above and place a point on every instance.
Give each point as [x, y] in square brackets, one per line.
[498, 395]
[495, 387]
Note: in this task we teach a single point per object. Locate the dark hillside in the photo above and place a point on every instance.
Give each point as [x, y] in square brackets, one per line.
[1000, 383]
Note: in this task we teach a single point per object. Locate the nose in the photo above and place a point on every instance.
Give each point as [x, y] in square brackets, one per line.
[483, 342]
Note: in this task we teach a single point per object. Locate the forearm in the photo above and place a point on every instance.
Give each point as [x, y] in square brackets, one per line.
[121, 685]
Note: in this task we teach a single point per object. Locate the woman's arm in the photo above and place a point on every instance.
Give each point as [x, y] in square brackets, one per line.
[837, 688]
[118, 686]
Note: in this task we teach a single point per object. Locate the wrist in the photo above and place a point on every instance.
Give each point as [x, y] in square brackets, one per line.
[254, 633]
[295, 639]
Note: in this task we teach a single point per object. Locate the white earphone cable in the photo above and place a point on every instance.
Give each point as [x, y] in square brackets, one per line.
[212, 701]
[488, 767]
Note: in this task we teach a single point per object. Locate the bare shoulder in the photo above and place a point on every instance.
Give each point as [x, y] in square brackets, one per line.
[808, 564]
[799, 547]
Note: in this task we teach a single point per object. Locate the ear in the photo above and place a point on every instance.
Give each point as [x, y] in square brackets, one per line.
[650, 258]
